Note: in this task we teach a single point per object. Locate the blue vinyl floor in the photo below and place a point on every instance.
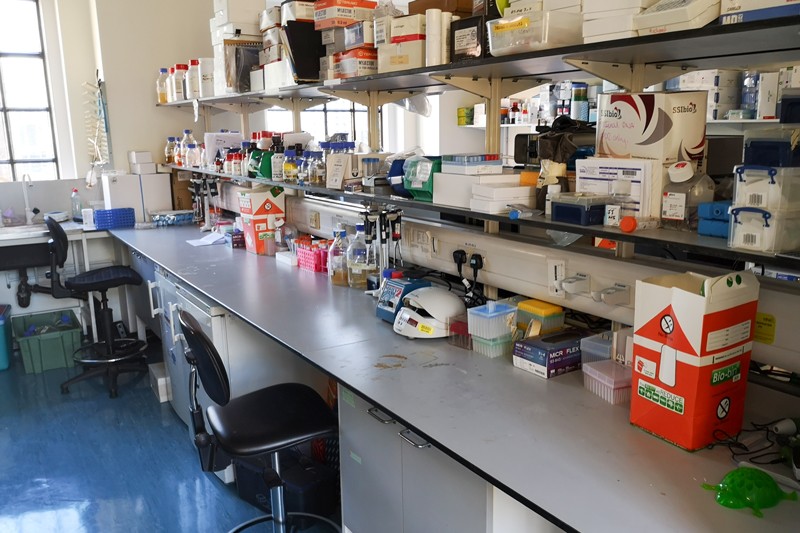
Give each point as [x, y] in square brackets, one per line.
[85, 463]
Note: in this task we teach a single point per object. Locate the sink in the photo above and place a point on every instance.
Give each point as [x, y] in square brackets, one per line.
[22, 232]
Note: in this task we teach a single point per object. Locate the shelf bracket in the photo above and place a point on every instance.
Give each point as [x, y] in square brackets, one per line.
[483, 86]
[632, 77]
[372, 100]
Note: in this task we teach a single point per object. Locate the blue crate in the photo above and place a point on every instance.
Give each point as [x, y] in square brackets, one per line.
[122, 217]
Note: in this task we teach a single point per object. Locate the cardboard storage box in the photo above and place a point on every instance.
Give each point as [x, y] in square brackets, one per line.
[297, 10]
[692, 341]
[393, 57]
[341, 13]
[669, 127]
[409, 28]
[359, 35]
[263, 202]
[550, 354]
[256, 233]
[159, 382]
[357, 62]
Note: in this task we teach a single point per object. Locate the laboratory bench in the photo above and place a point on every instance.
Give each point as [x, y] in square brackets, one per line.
[550, 444]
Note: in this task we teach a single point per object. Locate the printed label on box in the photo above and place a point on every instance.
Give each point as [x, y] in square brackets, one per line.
[673, 206]
[465, 40]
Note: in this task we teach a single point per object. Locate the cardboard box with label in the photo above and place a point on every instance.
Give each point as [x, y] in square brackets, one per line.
[263, 202]
[668, 127]
[692, 341]
[393, 57]
[341, 13]
[550, 354]
[256, 233]
[356, 62]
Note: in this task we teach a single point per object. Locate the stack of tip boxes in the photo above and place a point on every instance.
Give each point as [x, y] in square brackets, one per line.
[460, 172]
[492, 327]
[692, 341]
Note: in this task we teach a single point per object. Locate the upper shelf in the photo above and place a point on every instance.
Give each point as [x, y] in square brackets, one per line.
[671, 242]
[736, 46]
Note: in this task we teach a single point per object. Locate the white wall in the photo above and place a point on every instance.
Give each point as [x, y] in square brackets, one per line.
[136, 39]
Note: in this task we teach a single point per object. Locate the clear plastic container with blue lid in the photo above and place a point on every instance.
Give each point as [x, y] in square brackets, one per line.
[492, 320]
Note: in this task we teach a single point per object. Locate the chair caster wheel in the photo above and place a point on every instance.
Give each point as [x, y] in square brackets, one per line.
[64, 390]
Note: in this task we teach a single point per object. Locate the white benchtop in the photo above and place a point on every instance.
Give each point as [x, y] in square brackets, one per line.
[551, 444]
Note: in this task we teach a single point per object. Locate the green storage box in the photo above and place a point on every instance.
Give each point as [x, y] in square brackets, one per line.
[418, 177]
[5, 335]
[47, 340]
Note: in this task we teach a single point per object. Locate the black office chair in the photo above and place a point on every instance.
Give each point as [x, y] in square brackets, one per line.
[252, 428]
[110, 356]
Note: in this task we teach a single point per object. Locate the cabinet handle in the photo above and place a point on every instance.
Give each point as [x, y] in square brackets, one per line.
[175, 338]
[406, 435]
[380, 416]
[153, 310]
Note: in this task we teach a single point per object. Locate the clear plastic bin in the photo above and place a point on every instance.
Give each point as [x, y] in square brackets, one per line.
[771, 147]
[534, 31]
[500, 346]
[596, 348]
[757, 229]
[549, 315]
[770, 188]
[609, 380]
[492, 320]
[458, 332]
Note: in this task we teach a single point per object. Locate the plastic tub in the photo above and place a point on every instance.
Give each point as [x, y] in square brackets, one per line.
[496, 347]
[609, 380]
[596, 348]
[549, 315]
[492, 320]
[579, 208]
[534, 31]
[757, 229]
[47, 340]
[770, 188]
[458, 332]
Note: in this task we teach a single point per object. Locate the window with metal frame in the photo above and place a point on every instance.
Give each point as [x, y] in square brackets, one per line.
[27, 139]
[322, 121]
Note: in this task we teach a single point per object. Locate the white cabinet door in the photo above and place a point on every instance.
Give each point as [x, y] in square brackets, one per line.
[440, 494]
[371, 477]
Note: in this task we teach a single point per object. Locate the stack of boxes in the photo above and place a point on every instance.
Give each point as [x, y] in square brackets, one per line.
[496, 198]
[343, 23]
[404, 44]
[605, 20]
[723, 86]
[236, 41]
[270, 25]
[736, 11]
[492, 327]
[679, 16]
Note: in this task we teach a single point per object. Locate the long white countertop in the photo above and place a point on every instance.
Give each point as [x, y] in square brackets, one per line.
[551, 444]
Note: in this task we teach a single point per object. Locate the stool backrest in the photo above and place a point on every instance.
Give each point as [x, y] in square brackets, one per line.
[204, 356]
[59, 245]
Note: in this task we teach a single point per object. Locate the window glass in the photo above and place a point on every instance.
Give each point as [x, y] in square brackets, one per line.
[4, 155]
[5, 173]
[19, 27]
[37, 171]
[340, 105]
[362, 128]
[314, 123]
[24, 83]
[31, 135]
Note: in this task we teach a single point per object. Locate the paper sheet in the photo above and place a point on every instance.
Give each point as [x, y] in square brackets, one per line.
[211, 238]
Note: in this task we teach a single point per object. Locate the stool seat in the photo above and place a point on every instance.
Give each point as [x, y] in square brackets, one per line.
[271, 419]
[102, 279]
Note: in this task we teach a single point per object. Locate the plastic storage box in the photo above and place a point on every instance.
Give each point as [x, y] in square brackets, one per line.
[757, 229]
[492, 320]
[772, 147]
[579, 208]
[770, 188]
[596, 348]
[496, 347]
[534, 31]
[458, 332]
[47, 340]
[5, 336]
[609, 380]
[418, 177]
[549, 315]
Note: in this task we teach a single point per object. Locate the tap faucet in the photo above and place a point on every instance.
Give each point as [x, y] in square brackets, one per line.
[29, 213]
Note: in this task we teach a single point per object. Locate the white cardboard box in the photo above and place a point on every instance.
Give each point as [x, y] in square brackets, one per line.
[139, 157]
[159, 382]
[401, 56]
[737, 6]
[240, 10]
[610, 36]
[593, 6]
[498, 207]
[668, 127]
[608, 25]
[502, 191]
[143, 168]
[456, 189]
[408, 28]
[641, 180]
[766, 106]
